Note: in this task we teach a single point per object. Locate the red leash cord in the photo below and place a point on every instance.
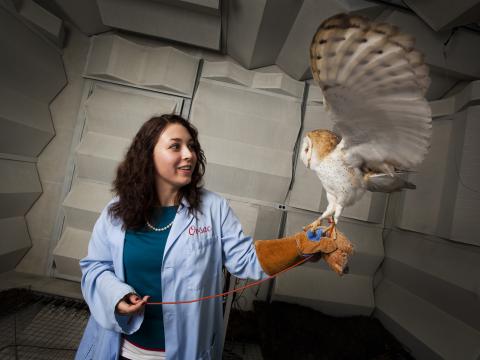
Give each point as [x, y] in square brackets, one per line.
[228, 292]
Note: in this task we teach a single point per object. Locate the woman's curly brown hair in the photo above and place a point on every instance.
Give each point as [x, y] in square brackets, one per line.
[135, 181]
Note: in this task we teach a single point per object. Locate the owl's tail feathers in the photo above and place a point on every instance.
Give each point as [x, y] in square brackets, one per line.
[379, 182]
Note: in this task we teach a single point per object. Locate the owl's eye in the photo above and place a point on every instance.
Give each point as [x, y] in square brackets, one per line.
[306, 149]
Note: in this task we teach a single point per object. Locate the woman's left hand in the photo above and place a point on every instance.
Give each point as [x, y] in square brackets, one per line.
[131, 304]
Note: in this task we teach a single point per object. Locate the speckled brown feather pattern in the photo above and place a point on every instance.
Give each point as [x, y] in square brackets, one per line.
[347, 47]
[324, 141]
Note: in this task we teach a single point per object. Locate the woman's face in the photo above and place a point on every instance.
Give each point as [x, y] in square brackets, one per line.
[174, 158]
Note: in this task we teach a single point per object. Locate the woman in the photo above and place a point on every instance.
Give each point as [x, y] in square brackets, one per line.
[164, 238]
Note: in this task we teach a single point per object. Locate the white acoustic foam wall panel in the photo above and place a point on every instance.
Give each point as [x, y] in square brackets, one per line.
[426, 330]
[447, 200]
[45, 22]
[307, 192]
[19, 187]
[162, 69]
[429, 294]
[82, 206]
[119, 111]
[98, 156]
[113, 116]
[197, 25]
[459, 57]
[85, 14]
[32, 74]
[248, 127]
[257, 29]
[316, 286]
[72, 245]
[434, 269]
[15, 242]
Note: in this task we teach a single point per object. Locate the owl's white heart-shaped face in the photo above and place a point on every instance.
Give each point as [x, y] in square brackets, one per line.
[306, 151]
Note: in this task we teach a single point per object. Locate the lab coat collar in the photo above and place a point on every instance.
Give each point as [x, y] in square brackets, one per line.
[181, 222]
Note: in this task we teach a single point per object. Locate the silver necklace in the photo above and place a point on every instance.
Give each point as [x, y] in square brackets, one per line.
[160, 229]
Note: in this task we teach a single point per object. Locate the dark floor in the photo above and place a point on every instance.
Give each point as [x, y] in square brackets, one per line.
[39, 326]
[288, 331]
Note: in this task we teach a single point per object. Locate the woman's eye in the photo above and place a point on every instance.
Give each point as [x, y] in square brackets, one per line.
[175, 146]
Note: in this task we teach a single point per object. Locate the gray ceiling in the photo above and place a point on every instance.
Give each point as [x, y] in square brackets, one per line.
[260, 33]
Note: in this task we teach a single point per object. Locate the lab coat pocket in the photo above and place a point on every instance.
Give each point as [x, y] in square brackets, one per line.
[199, 244]
[202, 265]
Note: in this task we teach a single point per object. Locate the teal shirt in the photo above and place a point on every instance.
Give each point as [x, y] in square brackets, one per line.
[142, 261]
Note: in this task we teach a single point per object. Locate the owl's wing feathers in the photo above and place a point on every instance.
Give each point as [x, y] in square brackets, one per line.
[374, 84]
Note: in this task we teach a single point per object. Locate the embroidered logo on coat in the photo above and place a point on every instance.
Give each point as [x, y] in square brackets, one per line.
[192, 230]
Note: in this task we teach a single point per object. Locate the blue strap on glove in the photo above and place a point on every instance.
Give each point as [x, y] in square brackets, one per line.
[315, 236]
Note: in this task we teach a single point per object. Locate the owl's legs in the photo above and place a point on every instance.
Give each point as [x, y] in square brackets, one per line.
[332, 205]
[338, 211]
[329, 211]
[334, 208]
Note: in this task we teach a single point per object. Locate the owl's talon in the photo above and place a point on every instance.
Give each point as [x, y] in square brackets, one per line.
[313, 226]
[331, 230]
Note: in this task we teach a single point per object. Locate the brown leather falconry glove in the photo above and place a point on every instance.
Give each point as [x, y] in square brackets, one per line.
[279, 254]
[337, 260]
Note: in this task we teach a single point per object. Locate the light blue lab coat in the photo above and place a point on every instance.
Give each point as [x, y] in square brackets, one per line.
[194, 254]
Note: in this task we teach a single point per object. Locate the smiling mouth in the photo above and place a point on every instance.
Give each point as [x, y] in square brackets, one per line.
[186, 167]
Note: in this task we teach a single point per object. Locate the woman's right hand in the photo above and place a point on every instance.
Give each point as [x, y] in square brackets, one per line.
[131, 304]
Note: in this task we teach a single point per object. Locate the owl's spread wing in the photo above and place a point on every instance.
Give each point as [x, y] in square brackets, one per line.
[374, 84]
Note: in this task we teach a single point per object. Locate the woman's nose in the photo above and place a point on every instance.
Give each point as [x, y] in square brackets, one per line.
[186, 153]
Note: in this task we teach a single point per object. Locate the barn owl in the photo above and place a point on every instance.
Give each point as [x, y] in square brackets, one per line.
[374, 85]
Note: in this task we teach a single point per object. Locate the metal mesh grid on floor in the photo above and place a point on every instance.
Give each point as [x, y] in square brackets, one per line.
[39, 326]
[241, 351]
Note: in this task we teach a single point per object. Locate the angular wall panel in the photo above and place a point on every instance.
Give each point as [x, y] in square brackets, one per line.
[196, 25]
[351, 294]
[257, 29]
[19, 187]
[447, 201]
[85, 14]
[443, 51]
[426, 330]
[84, 203]
[98, 156]
[459, 221]
[31, 73]
[163, 69]
[15, 242]
[449, 269]
[248, 134]
[34, 69]
[45, 22]
[72, 246]
[118, 111]
[442, 15]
